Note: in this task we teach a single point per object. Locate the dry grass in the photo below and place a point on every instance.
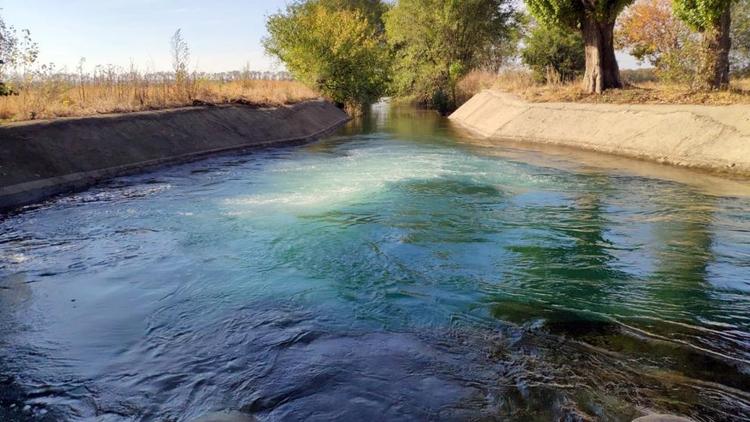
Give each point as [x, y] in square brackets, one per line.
[521, 83]
[60, 97]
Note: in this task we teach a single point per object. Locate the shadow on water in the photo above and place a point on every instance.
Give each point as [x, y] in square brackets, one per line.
[394, 271]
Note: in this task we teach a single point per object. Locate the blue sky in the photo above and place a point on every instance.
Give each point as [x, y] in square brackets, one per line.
[222, 34]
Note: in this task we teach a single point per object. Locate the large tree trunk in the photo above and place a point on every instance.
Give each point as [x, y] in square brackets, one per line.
[602, 71]
[718, 43]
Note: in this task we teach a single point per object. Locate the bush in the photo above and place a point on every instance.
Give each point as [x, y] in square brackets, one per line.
[685, 66]
[554, 53]
[436, 43]
[5, 90]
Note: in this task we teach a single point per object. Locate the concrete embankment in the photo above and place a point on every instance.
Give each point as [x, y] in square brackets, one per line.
[46, 158]
[713, 138]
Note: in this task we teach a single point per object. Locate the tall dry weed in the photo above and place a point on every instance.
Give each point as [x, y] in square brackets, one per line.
[46, 94]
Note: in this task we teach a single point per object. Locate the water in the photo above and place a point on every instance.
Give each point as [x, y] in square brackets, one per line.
[392, 271]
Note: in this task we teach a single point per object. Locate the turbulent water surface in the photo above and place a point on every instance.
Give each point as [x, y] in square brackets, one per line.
[393, 272]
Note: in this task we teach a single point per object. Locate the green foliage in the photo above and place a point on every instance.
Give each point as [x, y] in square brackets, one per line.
[554, 50]
[683, 66]
[5, 90]
[571, 13]
[337, 51]
[372, 10]
[712, 19]
[740, 56]
[437, 42]
[701, 15]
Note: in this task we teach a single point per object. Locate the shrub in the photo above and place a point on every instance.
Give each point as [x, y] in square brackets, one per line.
[5, 90]
[437, 42]
[550, 50]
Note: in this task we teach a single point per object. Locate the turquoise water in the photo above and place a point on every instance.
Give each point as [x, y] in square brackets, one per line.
[392, 271]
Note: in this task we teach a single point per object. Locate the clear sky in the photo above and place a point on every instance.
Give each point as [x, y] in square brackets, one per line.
[222, 34]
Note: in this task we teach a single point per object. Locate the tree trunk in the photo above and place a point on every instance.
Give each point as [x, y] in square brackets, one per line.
[602, 71]
[718, 43]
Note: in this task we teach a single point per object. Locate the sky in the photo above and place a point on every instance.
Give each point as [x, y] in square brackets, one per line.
[222, 34]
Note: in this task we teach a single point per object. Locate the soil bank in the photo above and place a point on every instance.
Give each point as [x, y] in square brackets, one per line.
[45, 158]
[715, 138]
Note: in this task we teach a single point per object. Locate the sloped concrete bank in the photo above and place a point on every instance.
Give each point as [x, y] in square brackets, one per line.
[46, 158]
[715, 138]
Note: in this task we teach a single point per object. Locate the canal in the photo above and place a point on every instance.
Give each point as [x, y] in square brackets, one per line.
[396, 270]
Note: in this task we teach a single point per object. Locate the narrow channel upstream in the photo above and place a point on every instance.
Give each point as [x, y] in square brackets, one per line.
[390, 272]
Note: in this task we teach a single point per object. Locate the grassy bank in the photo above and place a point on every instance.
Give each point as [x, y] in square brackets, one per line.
[57, 97]
[640, 89]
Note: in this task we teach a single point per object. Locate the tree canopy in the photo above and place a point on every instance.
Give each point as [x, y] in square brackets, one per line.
[701, 14]
[436, 42]
[572, 13]
[372, 10]
[337, 51]
[649, 30]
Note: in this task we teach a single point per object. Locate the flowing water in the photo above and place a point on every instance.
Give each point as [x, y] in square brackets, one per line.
[391, 272]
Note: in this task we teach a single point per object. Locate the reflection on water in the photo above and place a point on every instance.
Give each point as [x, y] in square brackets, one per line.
[392, 271]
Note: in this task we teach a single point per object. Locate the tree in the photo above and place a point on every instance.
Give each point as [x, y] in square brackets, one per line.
[713, 19]
[15, 51]
[338, 52]
[596, 21]
[436, 42]
[740, 54]
[553, 48]
[650, 31]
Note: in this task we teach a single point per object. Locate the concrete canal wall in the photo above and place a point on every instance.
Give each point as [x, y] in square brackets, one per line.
[45, 158]
[713, 138]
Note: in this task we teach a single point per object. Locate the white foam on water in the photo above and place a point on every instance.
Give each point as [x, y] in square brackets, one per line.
[14, 258]
[324, 183]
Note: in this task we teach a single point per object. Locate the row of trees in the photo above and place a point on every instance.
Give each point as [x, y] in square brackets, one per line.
[356, 50]
[650, 31]
[653, 33]
[596, 21]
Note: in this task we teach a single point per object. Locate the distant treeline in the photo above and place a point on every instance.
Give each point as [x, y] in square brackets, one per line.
[30, 90]
[354, 51]
[102, 73]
